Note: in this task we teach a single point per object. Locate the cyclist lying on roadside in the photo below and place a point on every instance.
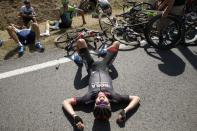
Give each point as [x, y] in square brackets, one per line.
[65, 15]
[25, 36]
[100, 92]
[27, 13]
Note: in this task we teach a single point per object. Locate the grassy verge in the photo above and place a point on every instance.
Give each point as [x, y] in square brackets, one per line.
[8, 50]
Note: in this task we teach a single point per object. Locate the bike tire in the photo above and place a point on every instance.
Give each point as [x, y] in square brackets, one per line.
[60, 40]
[141, 6]
[119, 35]
[157, 41]
[190, 35]
[106, 24]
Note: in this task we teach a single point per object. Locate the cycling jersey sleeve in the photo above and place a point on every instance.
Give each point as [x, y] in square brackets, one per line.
[71, 8]
[117, 98]
[89, 98]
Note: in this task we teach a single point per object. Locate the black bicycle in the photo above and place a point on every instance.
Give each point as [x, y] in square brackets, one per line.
[177, 29]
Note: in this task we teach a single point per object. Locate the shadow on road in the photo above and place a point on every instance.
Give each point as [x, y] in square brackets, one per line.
[80, 83]
[172, 65]
[189, 55]
[14, 51]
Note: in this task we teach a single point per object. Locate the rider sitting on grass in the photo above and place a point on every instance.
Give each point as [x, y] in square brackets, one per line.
[65, 15]
[25, 36]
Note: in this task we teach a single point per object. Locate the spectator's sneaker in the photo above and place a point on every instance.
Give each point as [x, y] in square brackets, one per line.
[39, 47]
[77, 59]
[45, 34]
[21, 50]
[54, 27]
[1, 43]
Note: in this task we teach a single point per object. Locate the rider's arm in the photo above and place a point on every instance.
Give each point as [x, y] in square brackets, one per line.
[68, 106]
[68, 103]
[134, 101]
[33, 12]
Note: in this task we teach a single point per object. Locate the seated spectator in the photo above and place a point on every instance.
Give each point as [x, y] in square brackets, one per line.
[27, 13]
[25, 36]
[65, 16]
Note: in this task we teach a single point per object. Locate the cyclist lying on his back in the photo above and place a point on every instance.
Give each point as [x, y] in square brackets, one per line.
[100, 92]
[65, 16]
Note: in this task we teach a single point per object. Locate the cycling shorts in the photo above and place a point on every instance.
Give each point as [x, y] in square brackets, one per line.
[26, 36]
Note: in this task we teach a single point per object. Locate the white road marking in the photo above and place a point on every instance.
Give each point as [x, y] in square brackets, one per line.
[33, 68]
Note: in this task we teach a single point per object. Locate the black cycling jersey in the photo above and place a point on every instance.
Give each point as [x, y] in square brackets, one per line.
[100, 80]
[179, 2]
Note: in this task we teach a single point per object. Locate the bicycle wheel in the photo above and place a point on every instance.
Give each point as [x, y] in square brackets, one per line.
[190, 35]
[141, 6]
[125, 35]
[163, 34]
[61, 40]
[106, 24]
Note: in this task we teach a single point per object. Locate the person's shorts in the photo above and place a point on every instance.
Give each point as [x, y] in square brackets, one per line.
[26, 36]
[65, 25]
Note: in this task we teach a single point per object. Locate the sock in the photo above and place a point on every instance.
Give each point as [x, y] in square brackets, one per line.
[20, 44]
[56, 24]
[37, 41]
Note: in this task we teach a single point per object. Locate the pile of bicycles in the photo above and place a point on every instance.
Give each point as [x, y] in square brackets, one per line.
[96, 40]
[143, 22]
[139, 21]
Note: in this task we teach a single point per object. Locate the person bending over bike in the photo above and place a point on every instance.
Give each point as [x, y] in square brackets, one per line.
[25, 36]
[27, 13]
[100, 92]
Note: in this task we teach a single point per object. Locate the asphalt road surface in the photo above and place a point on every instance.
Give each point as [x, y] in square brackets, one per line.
[166, 82]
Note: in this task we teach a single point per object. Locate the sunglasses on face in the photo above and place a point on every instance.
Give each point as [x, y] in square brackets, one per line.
[104, 103]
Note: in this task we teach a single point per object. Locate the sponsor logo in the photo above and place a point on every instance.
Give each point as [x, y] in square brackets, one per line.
[100, 85]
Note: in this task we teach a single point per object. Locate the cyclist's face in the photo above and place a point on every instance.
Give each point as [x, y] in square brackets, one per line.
[101, 98]
[28, 5]
[65, 6]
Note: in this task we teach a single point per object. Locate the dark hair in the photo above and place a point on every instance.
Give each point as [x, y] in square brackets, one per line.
[26, 1]
[102, 112]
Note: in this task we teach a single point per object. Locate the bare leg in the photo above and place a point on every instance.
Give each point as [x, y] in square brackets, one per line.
[12, 32]
[82, 15]
[81, 43]
[47, 27]
[35, 28]
[115, 44]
